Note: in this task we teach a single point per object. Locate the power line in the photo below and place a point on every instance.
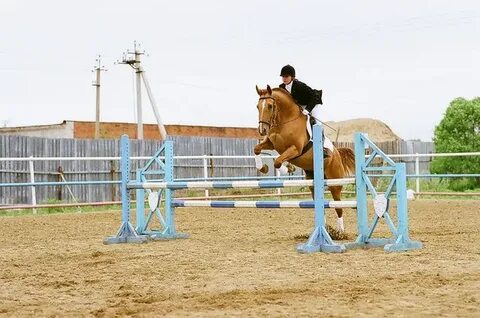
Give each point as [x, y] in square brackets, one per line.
[132, 58]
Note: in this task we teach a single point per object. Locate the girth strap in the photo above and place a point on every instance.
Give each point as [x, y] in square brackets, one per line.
[306, 148]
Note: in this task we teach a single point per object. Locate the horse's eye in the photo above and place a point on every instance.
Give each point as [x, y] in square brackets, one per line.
[270, 106]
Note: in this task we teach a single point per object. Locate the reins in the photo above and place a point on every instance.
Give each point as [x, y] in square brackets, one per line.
[273, 123]
[273, 118]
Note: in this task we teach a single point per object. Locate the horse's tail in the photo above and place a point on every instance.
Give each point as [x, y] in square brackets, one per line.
[348, 160]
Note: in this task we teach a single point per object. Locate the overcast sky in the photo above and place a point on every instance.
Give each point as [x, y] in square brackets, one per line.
[398, 61]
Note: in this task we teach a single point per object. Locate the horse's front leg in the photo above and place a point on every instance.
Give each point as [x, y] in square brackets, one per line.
[266, 144]
[288, 154]
[336, 192]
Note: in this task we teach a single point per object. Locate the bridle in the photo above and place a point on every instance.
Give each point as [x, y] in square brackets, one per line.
[272, 123]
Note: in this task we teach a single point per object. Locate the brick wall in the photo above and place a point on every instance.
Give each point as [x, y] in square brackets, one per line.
[150, 131]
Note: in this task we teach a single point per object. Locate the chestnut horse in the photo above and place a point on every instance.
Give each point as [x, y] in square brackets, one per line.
[284, 126]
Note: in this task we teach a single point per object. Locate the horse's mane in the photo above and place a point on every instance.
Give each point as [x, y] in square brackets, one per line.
[284, 94]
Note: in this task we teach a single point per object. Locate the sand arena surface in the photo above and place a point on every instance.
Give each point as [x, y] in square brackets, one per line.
[238, 263]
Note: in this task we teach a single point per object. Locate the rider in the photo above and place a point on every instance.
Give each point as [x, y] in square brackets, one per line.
[309, 99]
[305, 96]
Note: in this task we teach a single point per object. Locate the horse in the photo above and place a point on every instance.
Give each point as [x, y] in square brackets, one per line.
[284, 127]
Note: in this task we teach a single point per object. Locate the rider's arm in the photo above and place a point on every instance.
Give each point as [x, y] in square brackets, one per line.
[305, 95]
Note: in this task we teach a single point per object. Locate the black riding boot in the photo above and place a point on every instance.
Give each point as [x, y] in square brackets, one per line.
[312, 122]
[326, 153]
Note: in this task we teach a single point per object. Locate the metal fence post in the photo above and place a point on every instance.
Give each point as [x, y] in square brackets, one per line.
[112, 178]
[205, 172]
[417, 172]
[32, 180]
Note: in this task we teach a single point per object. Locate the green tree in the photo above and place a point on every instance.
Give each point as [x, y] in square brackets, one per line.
[459, 131]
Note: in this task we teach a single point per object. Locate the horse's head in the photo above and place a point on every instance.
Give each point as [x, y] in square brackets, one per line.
[266, 110]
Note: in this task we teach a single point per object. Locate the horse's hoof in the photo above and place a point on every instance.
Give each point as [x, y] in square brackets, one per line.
[264, 169]
[291, 168]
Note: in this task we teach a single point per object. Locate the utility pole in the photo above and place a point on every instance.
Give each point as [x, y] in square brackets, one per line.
[133, 59]
[97, 69]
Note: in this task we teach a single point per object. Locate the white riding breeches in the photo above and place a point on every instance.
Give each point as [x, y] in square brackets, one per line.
[315, 113]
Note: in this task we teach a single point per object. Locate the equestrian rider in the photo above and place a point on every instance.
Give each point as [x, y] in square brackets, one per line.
[309, 99]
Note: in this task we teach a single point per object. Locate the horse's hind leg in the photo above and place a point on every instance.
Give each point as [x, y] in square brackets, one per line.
[336, 194]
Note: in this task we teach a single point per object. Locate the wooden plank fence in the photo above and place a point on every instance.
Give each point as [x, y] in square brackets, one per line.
[21, 146]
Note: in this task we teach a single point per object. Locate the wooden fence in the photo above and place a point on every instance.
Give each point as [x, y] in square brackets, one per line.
[56, 170]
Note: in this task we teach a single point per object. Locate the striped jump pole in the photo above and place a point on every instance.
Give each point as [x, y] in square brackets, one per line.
[262, 204]
[265, 184]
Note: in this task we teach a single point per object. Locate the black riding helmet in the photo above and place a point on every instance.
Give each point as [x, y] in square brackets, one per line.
[287, 70]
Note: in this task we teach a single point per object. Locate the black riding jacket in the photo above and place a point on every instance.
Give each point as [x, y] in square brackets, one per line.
[304, 95]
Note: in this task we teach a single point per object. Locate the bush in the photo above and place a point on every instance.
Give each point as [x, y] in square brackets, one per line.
[459, 131]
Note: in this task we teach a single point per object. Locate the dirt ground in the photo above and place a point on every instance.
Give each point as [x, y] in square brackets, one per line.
[239, 262]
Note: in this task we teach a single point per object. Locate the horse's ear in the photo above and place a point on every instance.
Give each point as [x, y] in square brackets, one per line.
[258, 90]
[269, 89]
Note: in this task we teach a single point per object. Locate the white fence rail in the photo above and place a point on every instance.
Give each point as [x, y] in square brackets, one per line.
[205, 165]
